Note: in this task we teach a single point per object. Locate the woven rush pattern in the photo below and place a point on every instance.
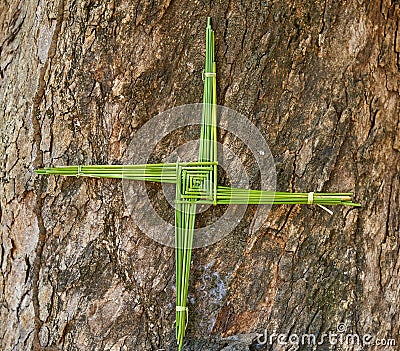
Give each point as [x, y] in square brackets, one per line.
[195, 183]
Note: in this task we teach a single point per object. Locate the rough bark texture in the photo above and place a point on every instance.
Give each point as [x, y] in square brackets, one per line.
[320, 79]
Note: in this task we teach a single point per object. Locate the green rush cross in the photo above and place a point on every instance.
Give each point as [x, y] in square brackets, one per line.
[196, 183]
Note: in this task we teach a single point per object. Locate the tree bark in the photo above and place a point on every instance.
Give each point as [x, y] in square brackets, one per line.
[320, 79]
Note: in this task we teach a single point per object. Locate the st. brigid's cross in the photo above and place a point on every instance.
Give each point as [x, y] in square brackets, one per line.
[196, 183]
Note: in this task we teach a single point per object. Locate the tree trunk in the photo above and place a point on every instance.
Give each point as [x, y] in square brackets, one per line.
[320, 79]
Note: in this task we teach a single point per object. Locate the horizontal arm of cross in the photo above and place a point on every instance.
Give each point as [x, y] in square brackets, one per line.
[226, 195]
[196, 183]
[152, 172]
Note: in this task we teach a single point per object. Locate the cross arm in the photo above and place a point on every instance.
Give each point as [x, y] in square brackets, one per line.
[185, 214]
[161, 172]
[226, 195]
[208, 132]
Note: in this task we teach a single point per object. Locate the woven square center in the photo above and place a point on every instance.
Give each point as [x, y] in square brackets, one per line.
[195, 182]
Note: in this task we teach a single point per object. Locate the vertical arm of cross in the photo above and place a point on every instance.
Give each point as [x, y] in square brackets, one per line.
[184, 229]
[208, 135]
[195, 184]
